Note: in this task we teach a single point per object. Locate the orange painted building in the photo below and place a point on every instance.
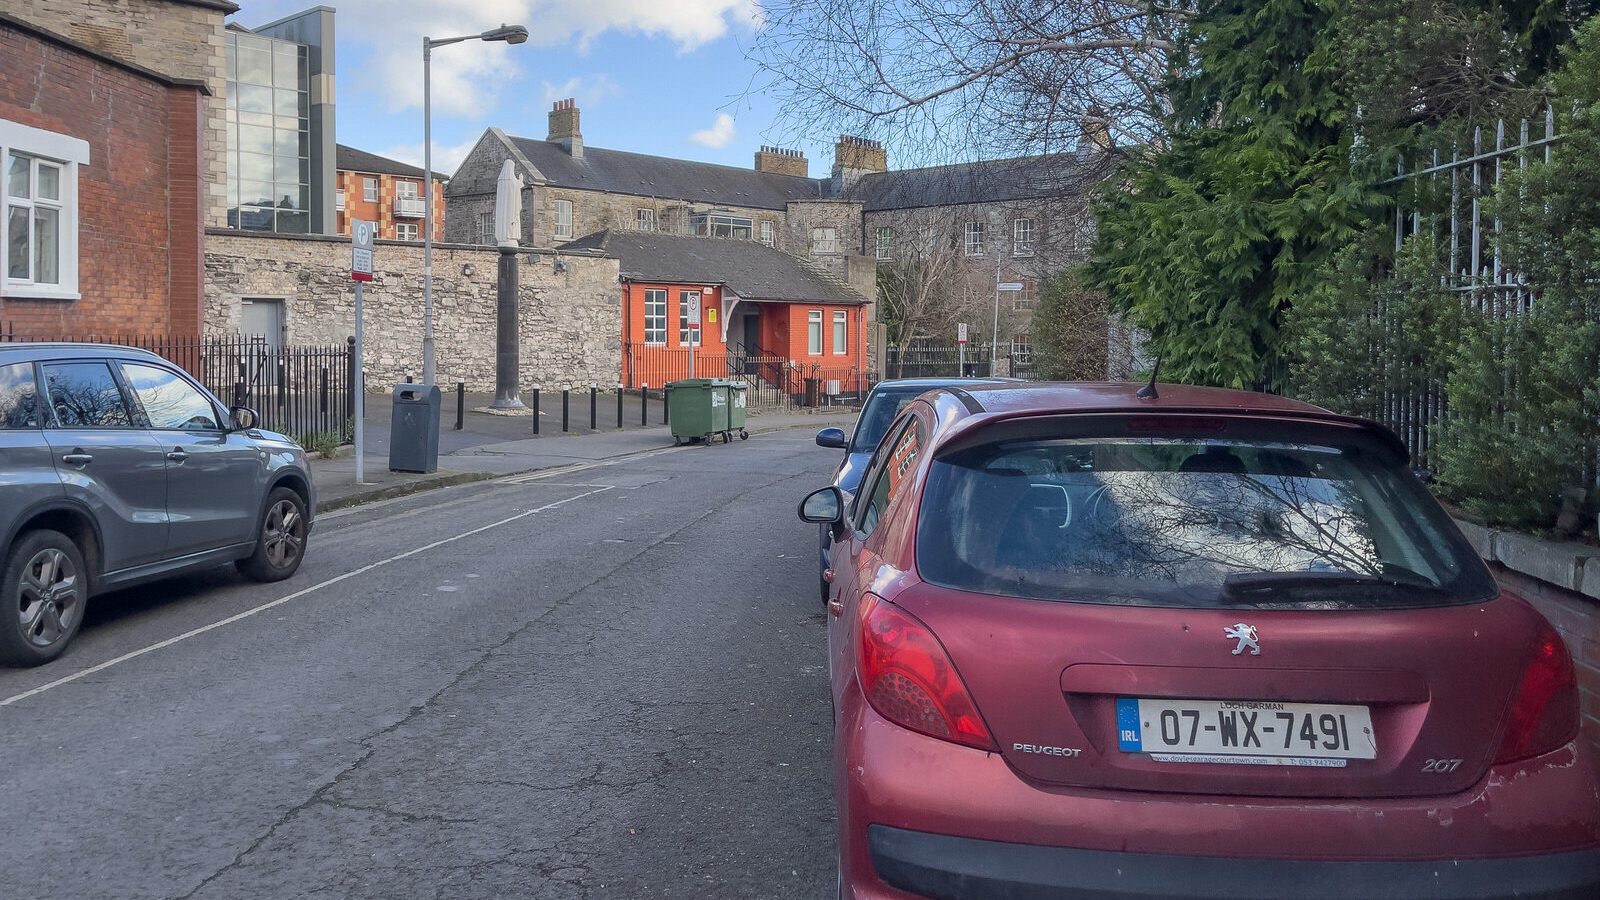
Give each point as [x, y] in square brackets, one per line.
[386, 191]
[763, 314]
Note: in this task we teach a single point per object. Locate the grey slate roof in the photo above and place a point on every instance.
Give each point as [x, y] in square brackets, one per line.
[1001, 180]
[620, 172]
[752, 270]
[350, 159]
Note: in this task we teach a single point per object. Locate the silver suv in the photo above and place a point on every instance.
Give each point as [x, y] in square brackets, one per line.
[117, 468]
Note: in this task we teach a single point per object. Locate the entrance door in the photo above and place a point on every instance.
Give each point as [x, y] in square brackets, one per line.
[262, 320]
[261, 325]
[752, 341]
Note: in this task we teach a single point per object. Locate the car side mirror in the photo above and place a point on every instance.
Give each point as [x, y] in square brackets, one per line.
[824, 507]
[244, 418]
[831, 437]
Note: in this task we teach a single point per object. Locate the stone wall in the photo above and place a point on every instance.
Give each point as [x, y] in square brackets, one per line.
[178, 38]
[570, 321]
[843, 216]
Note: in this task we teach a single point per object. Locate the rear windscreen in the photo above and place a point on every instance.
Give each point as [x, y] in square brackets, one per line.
[1190, 522]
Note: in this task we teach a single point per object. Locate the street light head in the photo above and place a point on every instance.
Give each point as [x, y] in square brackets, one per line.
[511, 34]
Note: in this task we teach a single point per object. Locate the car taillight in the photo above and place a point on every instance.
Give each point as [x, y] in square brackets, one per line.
[1544, 711]
[910, 680]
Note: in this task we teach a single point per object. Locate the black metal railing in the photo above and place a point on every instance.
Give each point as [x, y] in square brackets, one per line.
[300, 390]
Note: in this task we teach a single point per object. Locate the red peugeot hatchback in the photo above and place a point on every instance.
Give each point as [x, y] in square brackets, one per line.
[1087, 642]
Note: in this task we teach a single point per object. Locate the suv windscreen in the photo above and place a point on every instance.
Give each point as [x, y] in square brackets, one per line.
[1190, 522]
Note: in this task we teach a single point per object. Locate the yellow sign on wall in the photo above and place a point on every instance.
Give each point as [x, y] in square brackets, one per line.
[711, 315]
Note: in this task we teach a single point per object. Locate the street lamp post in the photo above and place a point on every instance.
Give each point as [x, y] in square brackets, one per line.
[511, 34]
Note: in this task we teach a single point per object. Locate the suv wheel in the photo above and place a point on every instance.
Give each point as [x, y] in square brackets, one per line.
[280, 538]
[43, 591]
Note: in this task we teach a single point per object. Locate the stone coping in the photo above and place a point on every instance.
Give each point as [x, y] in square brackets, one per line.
[1565, 564]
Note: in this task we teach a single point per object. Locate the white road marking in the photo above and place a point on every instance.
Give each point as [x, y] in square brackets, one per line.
[159, 645]
[523, 478]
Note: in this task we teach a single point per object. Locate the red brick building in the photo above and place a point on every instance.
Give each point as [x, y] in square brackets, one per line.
[764, 315]
[102, 181]
[386, 191]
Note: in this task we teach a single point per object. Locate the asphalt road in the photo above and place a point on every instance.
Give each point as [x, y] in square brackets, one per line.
[603, 683]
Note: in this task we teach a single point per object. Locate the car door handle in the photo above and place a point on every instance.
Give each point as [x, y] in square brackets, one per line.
[178, 455]
[836, 607]
[77, 458]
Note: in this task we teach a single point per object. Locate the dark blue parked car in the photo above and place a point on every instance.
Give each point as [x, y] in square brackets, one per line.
[883, 404]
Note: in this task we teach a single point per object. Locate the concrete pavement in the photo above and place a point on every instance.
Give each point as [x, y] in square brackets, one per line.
[583, 684]
[500, 445]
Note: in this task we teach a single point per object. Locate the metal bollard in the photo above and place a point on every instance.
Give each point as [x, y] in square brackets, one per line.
[461, 405]
[536, 408]
[566, 395]
[644, 403]
[619, 406]
[594, 407]
[409, 381]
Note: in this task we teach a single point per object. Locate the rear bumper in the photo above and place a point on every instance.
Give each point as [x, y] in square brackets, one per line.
[955, 868]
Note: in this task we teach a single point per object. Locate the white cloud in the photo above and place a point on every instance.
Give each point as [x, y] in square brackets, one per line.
[445, 159]
[588, 90]
[718, 135]
[468, 79]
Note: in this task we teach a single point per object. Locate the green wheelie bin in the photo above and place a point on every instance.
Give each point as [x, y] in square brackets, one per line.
[736, 407]
[698, 408]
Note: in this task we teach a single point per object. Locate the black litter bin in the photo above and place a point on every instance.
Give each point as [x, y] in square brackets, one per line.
[414, 429]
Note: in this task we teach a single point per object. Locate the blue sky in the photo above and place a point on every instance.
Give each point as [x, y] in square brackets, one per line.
[665, 77]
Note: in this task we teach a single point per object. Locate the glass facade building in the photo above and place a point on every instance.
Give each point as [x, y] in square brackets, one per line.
[269, 135]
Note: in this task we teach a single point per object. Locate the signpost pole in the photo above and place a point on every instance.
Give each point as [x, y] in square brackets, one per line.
[362, 233]
[360, 412]
[961, 349]
[694, 328]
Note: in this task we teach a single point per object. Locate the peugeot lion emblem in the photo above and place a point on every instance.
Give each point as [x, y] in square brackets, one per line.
[1246, 636]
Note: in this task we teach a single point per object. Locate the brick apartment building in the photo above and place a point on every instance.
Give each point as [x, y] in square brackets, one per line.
[386, 191]
[103, 173]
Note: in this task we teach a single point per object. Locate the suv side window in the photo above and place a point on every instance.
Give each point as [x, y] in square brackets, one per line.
[85, 395]
[170, 402]
[898, 459]
[19, 397]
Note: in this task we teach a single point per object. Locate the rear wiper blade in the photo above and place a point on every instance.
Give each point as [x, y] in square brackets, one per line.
[1245, 582]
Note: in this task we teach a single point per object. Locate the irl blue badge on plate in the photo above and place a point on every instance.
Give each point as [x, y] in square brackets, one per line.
[1128, 732]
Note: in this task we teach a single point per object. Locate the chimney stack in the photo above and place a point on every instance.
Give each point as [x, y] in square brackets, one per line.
[564, 127]
[854, 157]
[1094, 132]
[779, 161]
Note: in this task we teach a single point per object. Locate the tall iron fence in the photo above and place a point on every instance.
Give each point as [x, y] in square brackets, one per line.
[299, 390]
[927, 360]
[1447, 187]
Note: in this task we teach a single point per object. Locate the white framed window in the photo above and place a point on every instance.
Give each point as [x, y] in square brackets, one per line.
[766, 233]
[486, 229]
[563, 218]
[885, 243]
[644, 219]
[841, 333]
[655, 316]
[824, 240]
[405, 231]
[814, 332]
[408, 190]
[974, 238]
[687, 337]
[1027, 298]
[720, 226]
[39, 201]
[369, 189]
[338, 199]
[1022, 237]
